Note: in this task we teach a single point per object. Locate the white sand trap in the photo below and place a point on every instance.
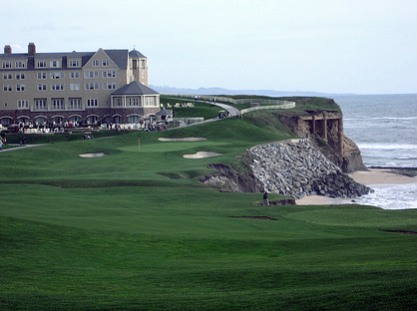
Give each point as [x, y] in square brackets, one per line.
[92, 155]
[183, 139]
[201, 155]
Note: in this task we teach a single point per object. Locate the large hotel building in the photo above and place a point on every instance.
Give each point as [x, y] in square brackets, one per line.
[107, 86]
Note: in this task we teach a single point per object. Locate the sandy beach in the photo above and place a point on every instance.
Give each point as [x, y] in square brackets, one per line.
[368, 178]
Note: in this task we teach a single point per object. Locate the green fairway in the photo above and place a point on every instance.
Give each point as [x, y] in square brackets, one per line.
[136, 230]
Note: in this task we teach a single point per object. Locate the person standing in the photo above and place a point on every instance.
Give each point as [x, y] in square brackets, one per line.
[265, 197]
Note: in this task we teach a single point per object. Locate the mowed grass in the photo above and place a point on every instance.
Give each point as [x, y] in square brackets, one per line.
[136, 230]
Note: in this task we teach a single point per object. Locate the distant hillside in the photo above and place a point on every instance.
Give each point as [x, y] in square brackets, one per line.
[218, 90]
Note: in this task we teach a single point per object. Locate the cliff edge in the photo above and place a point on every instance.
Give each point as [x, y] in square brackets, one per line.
[316, 164]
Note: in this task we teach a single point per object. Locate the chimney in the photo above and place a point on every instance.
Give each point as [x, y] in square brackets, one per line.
[31, 49]
[7, 49]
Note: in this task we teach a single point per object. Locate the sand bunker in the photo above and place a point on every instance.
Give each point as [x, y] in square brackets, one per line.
[201, 155]
[183, 139]
[92, 155]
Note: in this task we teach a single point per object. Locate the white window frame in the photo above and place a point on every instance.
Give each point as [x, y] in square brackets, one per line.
[96, 63]
[91, 74]
[40, 104]
[23, 104]
[41, 75]
[20, 76]
[109, 86]
[7, 76]
[74, 75]
[109, 74]
[75, 104]
[42, 87]
[91, 86]
[7, 88]
[57, 87]
[75, 87]
[55, 75]
[55, 64]
[20, 87]
[133, 102]
[20, 64]
[92, 102]
[41, 64]
[57, 104]
[74, 63]
[6, 65]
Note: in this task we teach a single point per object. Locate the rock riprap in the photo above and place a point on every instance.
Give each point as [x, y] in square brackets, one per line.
[299, 169]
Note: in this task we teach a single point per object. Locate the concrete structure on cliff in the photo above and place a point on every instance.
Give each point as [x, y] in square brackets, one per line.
[106, 86]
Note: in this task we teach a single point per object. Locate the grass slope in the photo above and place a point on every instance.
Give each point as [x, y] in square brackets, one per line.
[135, 230]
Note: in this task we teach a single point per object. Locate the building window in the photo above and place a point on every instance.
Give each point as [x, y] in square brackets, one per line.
[23, 104]
[7, 76]
[58, 104]
[20, 64]
[105, 63]
[40, 104]
[41, 75]
[91, 74]
[92, 102]
[74, 63]
[92, 86]
[7, 88]
[57, 87]
[92, 120]
[42, 87]
[20, 76]
[96, 63]
[109, 74]
[74, 86]
[74, 75]
[142, 63]
[117, 102]
[20, 87]
[55, 64]
[6, 65]
[41, 64]
[40, 121]
[134, 64]
[150, 101]
[109, 86]
[75, 104]
[57, 75]
[133, 119]
[133, 101]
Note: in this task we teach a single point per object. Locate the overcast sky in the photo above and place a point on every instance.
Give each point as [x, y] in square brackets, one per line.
[333, 46]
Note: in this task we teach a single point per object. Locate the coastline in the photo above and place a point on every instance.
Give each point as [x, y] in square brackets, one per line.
[369, 178]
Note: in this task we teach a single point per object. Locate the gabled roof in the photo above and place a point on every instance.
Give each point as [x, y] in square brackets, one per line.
[136, 54]
[119, 57]
[134, 88]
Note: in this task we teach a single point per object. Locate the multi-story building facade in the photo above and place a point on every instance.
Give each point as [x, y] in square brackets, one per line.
[107, 86]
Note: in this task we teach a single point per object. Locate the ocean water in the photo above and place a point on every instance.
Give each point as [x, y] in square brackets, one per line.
[385, 129]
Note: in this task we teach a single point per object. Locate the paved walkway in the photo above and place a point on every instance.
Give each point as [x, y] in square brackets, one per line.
[17, 147]
[233, 112]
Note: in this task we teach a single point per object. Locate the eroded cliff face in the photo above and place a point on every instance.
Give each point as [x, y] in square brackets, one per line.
[325, 131]
[288, 168]
[316, 165]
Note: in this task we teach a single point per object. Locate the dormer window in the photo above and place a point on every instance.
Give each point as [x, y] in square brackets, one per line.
[74, 63]
[41, 64]
[54, 64]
